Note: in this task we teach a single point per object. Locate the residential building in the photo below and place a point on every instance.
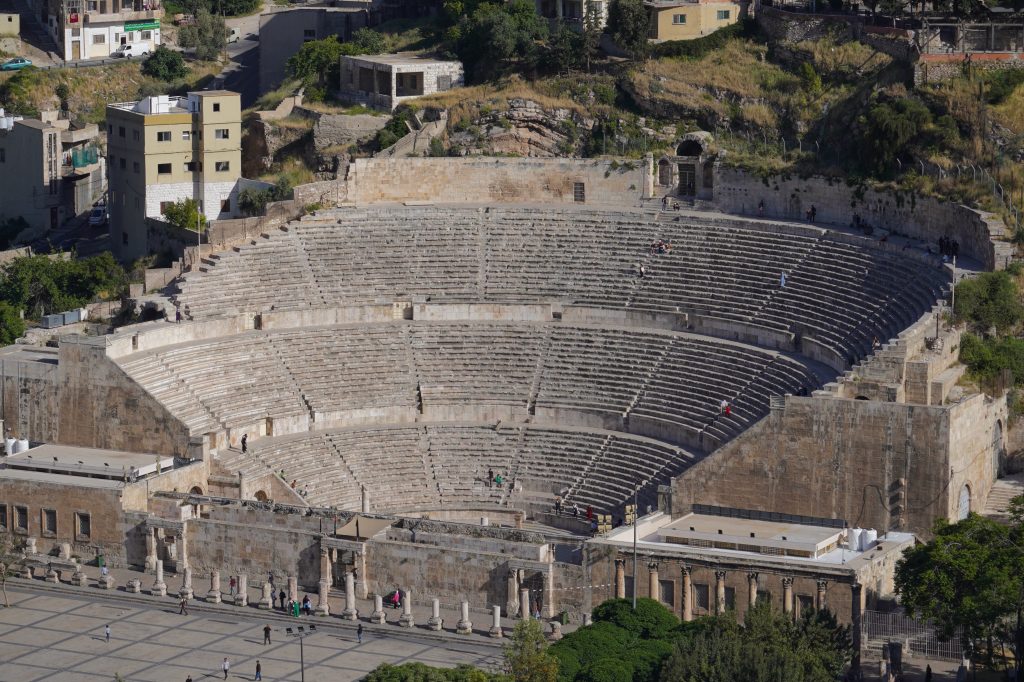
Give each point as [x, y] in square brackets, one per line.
[386, 80]
[50, 171]
[572, 10]
[93, 29]
[10, 24]
[161, 150]
[684, 20]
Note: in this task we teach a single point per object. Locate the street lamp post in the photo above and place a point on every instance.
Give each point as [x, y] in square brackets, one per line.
[300, 635]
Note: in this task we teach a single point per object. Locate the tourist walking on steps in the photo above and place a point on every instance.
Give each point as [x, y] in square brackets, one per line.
[490, 477]
[245, 440]
[106, 632]
[721, 407]
[283, 596]
[266, 633]
[226, 666]
[259, 671]
[183, 606]
[359, 633]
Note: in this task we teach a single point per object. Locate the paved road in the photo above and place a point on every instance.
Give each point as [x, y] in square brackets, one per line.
[58, 637]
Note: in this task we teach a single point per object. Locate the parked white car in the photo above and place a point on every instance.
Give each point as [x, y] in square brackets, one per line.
[129, 50]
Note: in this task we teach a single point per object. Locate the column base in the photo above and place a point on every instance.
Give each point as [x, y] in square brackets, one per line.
[323, 610]
[464, 627]
[51, 577]
[264, 605]
[496, 632]
[133, 586]
[213, 597]
[158, 590]
[105, 582]
[79, 579]
[435, 623]
[407, 620]
[351, 614]
[241, 600]
[378, 617]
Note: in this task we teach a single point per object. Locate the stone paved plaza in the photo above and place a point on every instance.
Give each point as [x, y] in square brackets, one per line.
[59, 638]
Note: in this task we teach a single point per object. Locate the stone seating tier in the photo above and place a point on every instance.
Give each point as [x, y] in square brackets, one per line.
[842, 292]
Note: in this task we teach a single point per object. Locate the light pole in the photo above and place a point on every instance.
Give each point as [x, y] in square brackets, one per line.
[300, 635]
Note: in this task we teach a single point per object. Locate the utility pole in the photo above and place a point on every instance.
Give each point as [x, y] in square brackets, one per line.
[636, 509]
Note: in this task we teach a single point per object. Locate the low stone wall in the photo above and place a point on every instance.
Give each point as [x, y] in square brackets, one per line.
[479, 179]
[981, 235]
[935, 68]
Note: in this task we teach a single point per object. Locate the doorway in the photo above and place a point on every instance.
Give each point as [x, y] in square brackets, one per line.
[687, 179]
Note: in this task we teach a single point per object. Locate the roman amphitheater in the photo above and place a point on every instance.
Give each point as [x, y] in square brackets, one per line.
[446, 322]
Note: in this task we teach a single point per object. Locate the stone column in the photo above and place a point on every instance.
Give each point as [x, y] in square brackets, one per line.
[134, 586]
[524, 604]
[720, 591]
[687, 595]
[465, 625]
[495, 630]
[150, 549]
[323, 608]
[182, 551]
[653, 585]
[378, 610]
[407, 620]
[186, 591]
[856, 608]
[159, 586]
[325, 566]
[588, 618]
[620, 578]
[79, 578]
[213, 596]
[435, 622]
[242, 598]
[787, 595]
[293, 588]
[267, 597]
[30, 546]
[350, 612]
[556, 631]
[822, 586]
[364, 502]
[752, 589]
[512, 591]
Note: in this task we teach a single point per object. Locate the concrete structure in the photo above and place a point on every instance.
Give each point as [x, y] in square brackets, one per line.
[93, 29]
[573, 11]
[688, 19]
[294, 25]
[385, 81]
[50, 172]
[165, 149]
[10, 24]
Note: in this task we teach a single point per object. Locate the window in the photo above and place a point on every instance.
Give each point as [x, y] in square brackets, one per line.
[805, 602]
[309, 34]
[49, 522]
[186, 135]
[579, 194]
[225, 206]
[99, 39]
[730, 598]
[163, 136]
[190, 166]
[444, 83]
[135, 166]
[83, 526]
[120, 131]
[138, 202]
[223, 166]
[723, 14]
[216, 106]
[147, 35]
[163, 168]
[678, 18]
[110, 129]
[701, 597]
[667, 592]
[21, 519]
[3, 517]
[135, 135]
[124, 237]
[123, 163]
[164, 205]
[222, 134]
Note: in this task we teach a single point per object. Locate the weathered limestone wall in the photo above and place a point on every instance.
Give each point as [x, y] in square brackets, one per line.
[918, 217]
[875, 465]
[29, 394]
[978, 443]
[492, 179]
[101, 407]
[935, 68]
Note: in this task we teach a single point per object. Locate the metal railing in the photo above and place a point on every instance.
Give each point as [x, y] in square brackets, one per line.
[917, 637]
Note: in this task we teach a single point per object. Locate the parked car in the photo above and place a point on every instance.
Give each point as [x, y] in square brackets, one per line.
[129, 50]
[98, 216]
[15, 64]
[234, 35]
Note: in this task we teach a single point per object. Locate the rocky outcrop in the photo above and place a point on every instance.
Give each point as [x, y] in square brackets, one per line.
[341, 130]
[525, 128]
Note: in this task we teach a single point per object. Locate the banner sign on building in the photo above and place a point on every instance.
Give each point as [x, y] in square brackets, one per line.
[142, 25]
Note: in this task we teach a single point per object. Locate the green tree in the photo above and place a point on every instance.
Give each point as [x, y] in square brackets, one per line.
[970, 576]
[497, 36]
[165, 65]
[12, 555]
[63, 92]
[989, 300]
[39, 284]
[12, 327]
[566, 47]
[629, 26]
[593, 29]
[365, 41]
[254, 202]
[316, 62]
[418, 672]
[526, 656]
[887, 130]
[208, 36]
[185, 214]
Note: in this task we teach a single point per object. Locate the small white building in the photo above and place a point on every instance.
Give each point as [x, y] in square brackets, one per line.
[385, 81]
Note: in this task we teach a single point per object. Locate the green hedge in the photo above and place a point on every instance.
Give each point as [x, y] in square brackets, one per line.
[698, 47]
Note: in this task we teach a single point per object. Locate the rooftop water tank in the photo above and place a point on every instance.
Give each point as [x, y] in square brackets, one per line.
[854, 539]
[9, 446]
[20, 445]
[870, 538]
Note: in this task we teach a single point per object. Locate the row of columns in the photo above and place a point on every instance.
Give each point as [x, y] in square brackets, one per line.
[654, 588]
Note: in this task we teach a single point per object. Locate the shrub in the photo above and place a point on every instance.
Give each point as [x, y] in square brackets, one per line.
[165, 65]
[185, 214]
[650, 620]
[989, 300]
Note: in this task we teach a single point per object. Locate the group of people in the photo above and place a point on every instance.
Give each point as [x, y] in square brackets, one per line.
[661, 246]
[574, 509]
[811, 213]
[948, 248]
[494, 479]
[667, 203]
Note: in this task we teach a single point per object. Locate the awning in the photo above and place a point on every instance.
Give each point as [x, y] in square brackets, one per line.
[367, 527]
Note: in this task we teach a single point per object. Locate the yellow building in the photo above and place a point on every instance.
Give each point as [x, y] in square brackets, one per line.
[676, 20]
[165, 149]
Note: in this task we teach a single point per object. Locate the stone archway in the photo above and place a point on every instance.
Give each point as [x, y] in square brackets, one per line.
[963, 507]
[195, 490]
[261, 496]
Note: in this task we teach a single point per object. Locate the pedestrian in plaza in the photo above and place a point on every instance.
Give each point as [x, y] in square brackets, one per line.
[283, 596]
[359, 633]
[490, 477]
[245, 441]
[270, 578]
[266, 633]
[231, 584]
[226, 666]
[106, 632]
[183, 606]
[259, 671]
[177, 315]
[188, 679]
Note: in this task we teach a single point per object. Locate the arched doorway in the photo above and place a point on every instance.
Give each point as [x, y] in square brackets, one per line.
[195, 490]
[689, 148]
[664, 173]
[964, 504]
[260, 496]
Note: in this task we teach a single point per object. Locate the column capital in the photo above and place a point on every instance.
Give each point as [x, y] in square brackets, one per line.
[652, 565]
[787, 581]
[752, 576]
[822, 585]
[685, 569]
[720, 575]
[620, 562]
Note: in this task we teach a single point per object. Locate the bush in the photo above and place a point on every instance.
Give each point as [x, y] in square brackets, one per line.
[12, 326]
[650, 620]
[699, 47]
[252, 201]
[165, 65]
[40, 285]
[991, 299]
[208, 37]
[185, 214]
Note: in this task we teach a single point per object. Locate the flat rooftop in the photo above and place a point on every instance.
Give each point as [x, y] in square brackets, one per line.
[401, 59]
[27, 353]
[87, 463]
[60, 479]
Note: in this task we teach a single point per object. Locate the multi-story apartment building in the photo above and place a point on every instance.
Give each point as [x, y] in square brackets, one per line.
[688, 19]
[161, 150]
[93, 29]
[49, 171]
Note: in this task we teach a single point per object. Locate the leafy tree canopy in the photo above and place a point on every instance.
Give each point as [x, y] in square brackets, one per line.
[527, 658]
[208, 36]
[629, 25]
[185, 214]
[40, 285]
[11, 325]
[165, 65]
[888, 127]
[496, 36]
[989, 300]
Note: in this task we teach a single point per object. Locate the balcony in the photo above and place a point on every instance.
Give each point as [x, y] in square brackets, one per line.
[135, 11]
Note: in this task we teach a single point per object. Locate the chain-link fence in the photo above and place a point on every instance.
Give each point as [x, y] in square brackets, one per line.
[980, 175]
[917, 637]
